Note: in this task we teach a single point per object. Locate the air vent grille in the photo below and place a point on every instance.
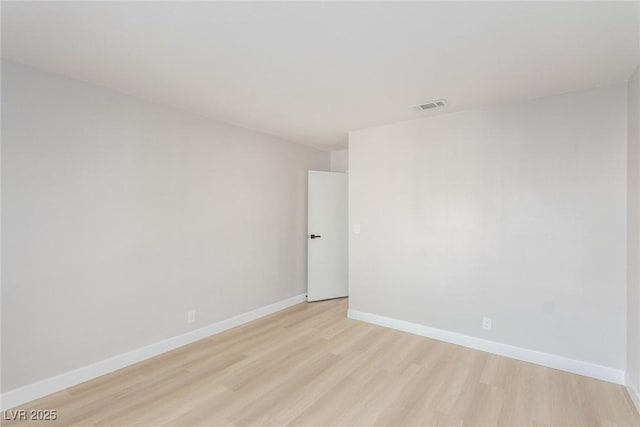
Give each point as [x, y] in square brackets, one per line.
[430, 105]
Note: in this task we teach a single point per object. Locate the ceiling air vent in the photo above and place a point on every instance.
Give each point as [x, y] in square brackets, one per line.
[430, 105]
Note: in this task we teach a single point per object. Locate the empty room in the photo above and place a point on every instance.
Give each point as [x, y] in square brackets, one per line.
[320, 213]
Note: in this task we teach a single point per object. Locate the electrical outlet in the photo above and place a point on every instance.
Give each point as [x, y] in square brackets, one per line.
[191, 316]
[486, 323]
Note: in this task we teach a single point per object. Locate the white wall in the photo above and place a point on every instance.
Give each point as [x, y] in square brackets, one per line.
[633, 236]
[120, 215]
[340, 160]
[517, 213]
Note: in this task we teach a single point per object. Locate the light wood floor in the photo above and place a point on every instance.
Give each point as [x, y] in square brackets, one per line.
[310, 365]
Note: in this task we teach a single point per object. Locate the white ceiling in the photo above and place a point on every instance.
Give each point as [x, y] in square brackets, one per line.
[310, 72]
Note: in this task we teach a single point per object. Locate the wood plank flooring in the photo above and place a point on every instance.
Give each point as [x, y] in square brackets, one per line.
[310, 365]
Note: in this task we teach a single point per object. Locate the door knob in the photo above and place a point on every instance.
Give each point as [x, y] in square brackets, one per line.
[315, 236]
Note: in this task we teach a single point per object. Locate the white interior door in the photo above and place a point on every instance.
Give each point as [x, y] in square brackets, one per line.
[327, 236]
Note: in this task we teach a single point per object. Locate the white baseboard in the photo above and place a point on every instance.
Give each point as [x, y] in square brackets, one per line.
[51, 385]
[545, 359]
[634, 391]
